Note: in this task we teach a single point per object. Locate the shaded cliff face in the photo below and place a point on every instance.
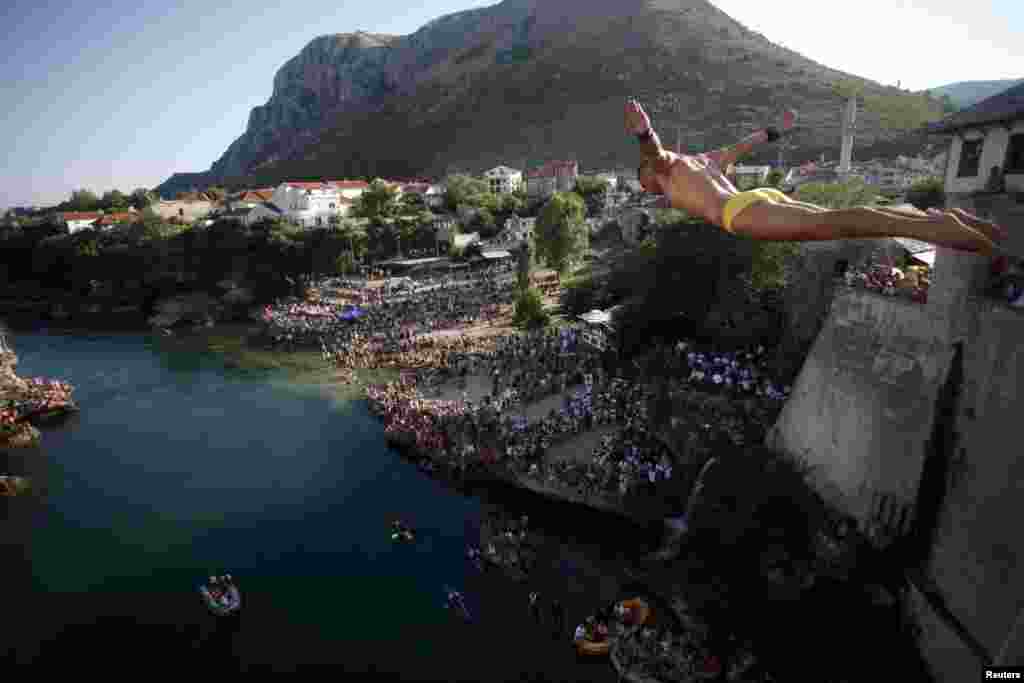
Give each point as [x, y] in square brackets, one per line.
[330, 75]
[525, 81]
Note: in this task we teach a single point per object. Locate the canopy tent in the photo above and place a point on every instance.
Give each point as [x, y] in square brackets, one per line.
[351, 313]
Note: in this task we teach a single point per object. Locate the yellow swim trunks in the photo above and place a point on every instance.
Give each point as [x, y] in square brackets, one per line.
[736, 204]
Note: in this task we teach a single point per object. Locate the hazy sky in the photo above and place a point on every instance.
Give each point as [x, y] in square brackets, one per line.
[122, 94]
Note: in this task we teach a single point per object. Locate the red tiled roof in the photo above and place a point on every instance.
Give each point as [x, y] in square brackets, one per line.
[255, 196]
[79, 215]
[553, 168]
[303, 185]
[350, 184]
[114, 218]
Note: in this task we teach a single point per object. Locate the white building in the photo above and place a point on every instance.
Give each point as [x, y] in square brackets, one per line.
[265, 211]
[516, 231]
[463, 241]
[504, 180]
[433, 195]
[313, 204]
[988, 135]
[79, 220]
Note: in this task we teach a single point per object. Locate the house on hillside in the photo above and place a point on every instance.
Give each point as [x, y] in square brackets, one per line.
[109, 220]
[503, 180]
[463, 241]
[554, 176]
[248, 199]
[78, 220]
[985, 162]
[316, 204]
[516, 231]
[183, 210]
[350, 189]
[262, 212]
[433, 195]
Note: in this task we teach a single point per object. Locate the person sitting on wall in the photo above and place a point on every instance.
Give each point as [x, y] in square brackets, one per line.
[697, 185]
[996, 182]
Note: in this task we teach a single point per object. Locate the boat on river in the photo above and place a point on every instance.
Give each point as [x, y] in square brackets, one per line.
[222, 604]
[593, 647]
[637, 611]
[456, 602]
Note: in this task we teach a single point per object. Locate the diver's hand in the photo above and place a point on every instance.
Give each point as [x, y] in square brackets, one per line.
[637, 121]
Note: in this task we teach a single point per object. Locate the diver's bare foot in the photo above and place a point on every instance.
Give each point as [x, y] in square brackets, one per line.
[948, 231]
[990, 229]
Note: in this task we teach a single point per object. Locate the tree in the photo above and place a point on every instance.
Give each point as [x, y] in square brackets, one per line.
[774, 179]
[485, 223]
[837, 195]
[529, 309]
[560, 232]
[412, 203]
[345, 263]
[83, 200]
[594, 191]
[113, 200]
[378, 202]
[461, 189]
[141, 198]
[929, 193]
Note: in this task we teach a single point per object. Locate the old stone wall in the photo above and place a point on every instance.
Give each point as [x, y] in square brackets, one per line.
[976, 549]
[861, 411]
[909, 414]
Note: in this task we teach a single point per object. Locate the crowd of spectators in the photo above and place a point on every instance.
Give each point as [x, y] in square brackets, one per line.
[392, 323]
[910, 282]
[40, 396]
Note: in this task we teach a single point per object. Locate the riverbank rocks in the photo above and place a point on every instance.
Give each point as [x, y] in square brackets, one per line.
[195, 308]
[10, 383]
[238, 296]
[23, 436]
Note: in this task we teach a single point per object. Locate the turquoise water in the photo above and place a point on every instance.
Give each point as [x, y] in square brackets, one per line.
[178, 467]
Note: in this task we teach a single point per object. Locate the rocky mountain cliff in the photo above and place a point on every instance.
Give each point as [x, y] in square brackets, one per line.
[524, 81]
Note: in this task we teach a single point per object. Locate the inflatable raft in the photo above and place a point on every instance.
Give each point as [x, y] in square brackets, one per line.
[593, 647]
[220, 606]
[637, 611]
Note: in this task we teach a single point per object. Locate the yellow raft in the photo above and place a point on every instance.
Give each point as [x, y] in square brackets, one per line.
[637, 611]
[593, 647]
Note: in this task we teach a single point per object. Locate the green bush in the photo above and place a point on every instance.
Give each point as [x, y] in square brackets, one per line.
[929, 193]
[837, 195]
[529, 309]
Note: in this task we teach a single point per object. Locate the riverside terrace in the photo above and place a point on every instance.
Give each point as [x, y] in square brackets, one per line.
[437, 303]
[558, 419]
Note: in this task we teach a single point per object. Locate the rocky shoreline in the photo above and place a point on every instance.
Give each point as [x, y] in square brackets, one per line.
[26, 404]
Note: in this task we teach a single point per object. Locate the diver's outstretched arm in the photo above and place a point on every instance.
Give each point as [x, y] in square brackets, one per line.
[727, 156]
[639, 124]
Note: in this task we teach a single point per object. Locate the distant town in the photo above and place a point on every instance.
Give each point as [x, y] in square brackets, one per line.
[322, 204]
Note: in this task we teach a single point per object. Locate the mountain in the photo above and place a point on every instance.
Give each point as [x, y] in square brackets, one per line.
[966, 93]
[526, 81]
